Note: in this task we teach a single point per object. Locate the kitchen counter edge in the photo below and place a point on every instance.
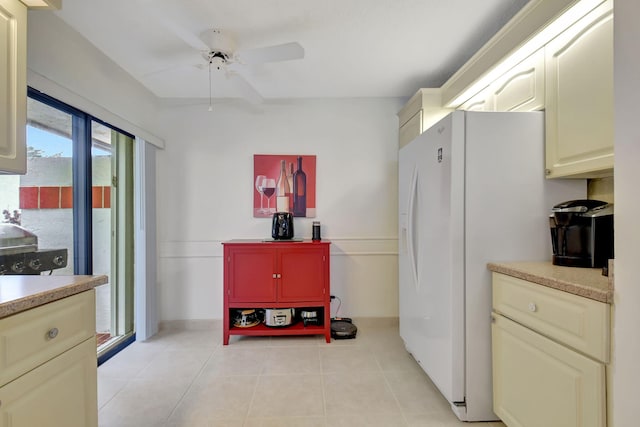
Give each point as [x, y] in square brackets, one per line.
[585, 282]
[21, 293]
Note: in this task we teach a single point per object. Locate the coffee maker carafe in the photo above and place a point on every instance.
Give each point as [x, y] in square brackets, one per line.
[582, 233]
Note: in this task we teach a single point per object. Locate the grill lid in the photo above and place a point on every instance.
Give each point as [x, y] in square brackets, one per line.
[16, 240]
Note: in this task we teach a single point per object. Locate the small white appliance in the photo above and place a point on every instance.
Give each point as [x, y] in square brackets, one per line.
[472, 190]
[279, 316]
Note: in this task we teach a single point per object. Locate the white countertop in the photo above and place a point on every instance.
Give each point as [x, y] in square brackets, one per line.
[20, 293]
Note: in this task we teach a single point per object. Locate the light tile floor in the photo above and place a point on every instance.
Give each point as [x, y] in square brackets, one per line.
[185, 377]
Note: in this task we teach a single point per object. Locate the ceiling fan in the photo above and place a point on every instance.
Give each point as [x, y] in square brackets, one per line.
[220, 53]
[216, 47]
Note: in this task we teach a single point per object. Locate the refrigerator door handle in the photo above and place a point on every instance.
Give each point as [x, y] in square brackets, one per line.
[411, 237]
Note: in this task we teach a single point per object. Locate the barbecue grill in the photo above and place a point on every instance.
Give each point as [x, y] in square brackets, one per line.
[19, 253]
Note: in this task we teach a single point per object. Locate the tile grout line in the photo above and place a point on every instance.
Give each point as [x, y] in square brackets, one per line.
[253, 395]
[388, 384]
[322, 386]
[181, 398]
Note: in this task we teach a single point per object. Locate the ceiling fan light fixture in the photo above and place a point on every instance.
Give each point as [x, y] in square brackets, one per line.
[217, 41]
[216, 59]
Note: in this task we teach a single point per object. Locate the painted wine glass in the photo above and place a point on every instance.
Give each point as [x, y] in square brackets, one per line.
[269, 189]
[259, 180]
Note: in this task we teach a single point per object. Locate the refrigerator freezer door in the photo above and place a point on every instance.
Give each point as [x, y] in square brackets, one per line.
[472, 190]
[428, 315]
[407, 261]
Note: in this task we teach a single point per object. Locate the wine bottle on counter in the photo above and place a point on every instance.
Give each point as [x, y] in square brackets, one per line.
[299, 191]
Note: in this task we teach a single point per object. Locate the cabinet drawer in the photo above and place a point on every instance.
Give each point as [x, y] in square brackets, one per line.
[575, 321]
[29, 339]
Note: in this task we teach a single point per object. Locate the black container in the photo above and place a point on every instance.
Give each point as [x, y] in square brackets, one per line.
[582, 233]
[315, 234]
[282, 226]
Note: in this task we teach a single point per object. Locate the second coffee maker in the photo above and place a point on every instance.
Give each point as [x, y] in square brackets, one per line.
[582, 233]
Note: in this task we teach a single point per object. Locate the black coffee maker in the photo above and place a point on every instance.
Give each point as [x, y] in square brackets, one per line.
[582, 233]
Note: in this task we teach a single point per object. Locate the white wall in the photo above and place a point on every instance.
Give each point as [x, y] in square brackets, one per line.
[205, 195]
[205, 174]
[66, 66]
[626, 320]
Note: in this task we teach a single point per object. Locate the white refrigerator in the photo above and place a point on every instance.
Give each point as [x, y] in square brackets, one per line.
[472, 190]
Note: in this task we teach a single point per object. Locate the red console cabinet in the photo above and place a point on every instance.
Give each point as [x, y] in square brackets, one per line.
[285, 274]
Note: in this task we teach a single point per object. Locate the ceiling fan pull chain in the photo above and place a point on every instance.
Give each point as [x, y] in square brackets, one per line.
[210, 103]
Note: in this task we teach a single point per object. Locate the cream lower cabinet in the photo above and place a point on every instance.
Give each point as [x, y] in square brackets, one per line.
[549, 350]
[579, 98]
[48, 365]
[61, 392]
[538, 382]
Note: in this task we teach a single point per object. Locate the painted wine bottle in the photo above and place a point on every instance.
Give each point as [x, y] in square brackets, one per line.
[299, 191]
[290, 179]
[283, 190]
[282, 187]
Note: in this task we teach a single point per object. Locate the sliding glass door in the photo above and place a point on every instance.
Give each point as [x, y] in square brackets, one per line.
[78, 194]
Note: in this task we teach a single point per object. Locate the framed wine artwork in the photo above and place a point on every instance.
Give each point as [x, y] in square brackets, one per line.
[284, 183]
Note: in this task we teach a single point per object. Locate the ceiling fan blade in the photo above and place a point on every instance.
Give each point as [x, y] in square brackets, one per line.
[247, 91]
[281, 52]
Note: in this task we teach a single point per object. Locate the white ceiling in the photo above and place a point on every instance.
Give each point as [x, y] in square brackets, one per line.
[353, 48]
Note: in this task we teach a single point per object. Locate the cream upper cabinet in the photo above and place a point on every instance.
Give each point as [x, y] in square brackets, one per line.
[483, 101]
[579, 98]
[522, 88]
[422, 111]
[13, 86]
[519, 89]
[549, 352]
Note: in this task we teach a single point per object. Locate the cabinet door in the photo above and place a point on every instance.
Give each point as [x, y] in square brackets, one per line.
[250, 274]
[579, 94]
[522, 87]
[483, 101]
[13, 86]
[62, 392]
[303, 274]
[538, 382]
[519, 89]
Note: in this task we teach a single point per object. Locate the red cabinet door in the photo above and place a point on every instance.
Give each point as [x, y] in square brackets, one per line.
[302, 274]
[250, 271]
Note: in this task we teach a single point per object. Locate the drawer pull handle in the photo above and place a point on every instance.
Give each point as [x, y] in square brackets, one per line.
[53, 332]
[533, 307]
